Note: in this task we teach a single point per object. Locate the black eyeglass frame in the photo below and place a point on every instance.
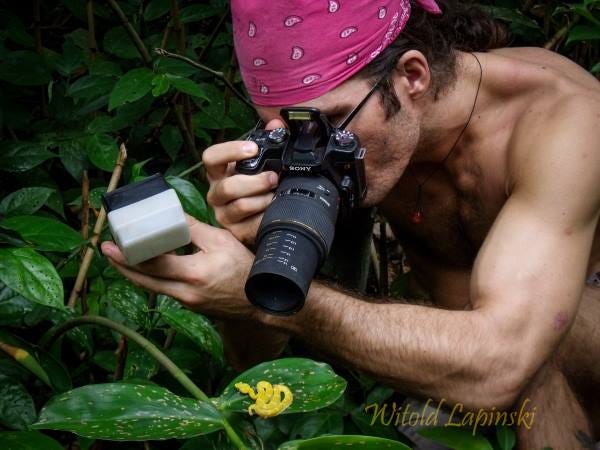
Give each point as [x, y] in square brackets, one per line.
[358, 107]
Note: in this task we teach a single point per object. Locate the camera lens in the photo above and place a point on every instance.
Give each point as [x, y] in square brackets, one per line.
[293, 240]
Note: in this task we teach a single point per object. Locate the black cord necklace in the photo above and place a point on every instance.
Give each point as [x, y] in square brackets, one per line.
[417, 216]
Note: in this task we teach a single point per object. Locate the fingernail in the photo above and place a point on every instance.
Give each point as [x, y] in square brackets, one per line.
[273, 179]
[106, 248]
[249, 148]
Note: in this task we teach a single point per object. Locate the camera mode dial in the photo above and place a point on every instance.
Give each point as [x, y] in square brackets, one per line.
[344, 138]
[278, 135]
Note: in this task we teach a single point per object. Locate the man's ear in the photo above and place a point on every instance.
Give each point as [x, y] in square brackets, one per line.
[413, 70]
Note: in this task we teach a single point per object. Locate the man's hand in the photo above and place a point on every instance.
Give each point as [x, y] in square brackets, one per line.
[239, 200]
[210, 281]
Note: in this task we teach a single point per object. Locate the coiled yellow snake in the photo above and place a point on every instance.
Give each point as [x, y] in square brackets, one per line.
[267, 398]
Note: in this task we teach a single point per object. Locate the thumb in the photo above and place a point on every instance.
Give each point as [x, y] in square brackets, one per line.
[275, 123]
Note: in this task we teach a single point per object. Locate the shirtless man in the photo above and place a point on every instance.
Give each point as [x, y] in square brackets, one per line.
[506, 238]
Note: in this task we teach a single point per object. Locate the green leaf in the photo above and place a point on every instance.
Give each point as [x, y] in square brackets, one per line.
[14, 29]
[456, 438]
[17, 311]
[31, 275]
[506, 438]
[171, 140]
[27, 440]
[131, 87]
[16, 405]
[596, 68]
[129, 301]
[128, 412]
[584, 33]
[102, 151]
[45, 233]
[198, 328]
[313, 384]
[25, 201]
[331, 442]
[22, 156]
[192, 201]
[72, 154]
[187, 86]
[156, 9]
[24, 68]
[195, 13]
[317, 424]
[118, 42]
[90, 87]
[160, 85]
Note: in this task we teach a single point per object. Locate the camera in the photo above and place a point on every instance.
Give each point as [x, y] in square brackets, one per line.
[322, 177]
[146, 219]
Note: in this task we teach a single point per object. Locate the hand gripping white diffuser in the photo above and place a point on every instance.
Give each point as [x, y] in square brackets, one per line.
[146, 219]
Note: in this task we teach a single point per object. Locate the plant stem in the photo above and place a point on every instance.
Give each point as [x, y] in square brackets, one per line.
[190, 169]
[213, 36]
[89, 251]
[92, 44]
[215, 73]
[135, 37]
[560, 34]
[147, 345]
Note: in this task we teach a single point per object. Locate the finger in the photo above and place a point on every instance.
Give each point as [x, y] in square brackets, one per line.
[245, 231]
[275, 123]
[242, 208]
[217, 157]
[239, 186]
[111, 250]
[207, 237]
[172, 288]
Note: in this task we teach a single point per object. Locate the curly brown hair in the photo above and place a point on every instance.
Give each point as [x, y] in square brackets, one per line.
[460, 27]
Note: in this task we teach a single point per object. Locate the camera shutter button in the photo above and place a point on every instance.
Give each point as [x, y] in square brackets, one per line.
[277, 135]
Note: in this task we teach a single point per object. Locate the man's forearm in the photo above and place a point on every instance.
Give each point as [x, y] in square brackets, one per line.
[415, 349]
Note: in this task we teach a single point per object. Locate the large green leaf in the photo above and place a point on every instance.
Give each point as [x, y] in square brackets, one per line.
[90, 87]
[131, 87]
[584, 33]
[117, 42]
[47, 234]
[128, 301]
[24, 68]
[317, 424]
[21, 156]
[191, 199]
[27, 440]
[313, 384]
[102, 151]
[456, 438]
[25, 201]
[506, 438]
[31, 275]
[16, 405]
[17, 311]
[73, 156]
[196, 327]
[187, 86]
[331, 442]
[156, 9]
[171, 140]
[128, 412]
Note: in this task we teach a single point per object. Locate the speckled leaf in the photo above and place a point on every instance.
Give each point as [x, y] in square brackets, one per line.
[329, 442]
[196, 327]
[31, 275]
[25, 201]
[16, 405]
[17, 311]
[27, 440]
[313, 384]
[128, 412]
[46, 234]
[129, 301]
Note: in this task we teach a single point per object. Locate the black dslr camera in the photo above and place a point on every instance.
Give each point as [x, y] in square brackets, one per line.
[322, 176]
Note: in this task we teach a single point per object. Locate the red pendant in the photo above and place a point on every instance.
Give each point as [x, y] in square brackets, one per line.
[417, 217]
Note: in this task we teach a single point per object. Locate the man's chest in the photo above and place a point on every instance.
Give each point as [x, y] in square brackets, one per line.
[458, 206]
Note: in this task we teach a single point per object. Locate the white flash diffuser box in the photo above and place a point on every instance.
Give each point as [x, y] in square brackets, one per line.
[146, 219]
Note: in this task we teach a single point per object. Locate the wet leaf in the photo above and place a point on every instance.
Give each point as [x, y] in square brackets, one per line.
[31, 275]
[45, 233]
[313, 384]
[191, 199]
[25, 201]
[16, 405]
[102, 151]
[128, 412]
[131, 87]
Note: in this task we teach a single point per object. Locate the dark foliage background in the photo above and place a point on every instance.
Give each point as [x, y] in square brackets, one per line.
[79, 77]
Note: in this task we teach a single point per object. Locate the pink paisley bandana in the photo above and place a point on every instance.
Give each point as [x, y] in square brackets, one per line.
[290, 51]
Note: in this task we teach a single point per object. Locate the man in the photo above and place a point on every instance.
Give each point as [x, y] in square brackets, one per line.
[486, 163]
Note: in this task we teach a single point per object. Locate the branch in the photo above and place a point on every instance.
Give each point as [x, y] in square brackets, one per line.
[561, 34]
[187, 136]
[213, 36]
[135, 37]
[216, 74]
[92, 44]
[89, 252]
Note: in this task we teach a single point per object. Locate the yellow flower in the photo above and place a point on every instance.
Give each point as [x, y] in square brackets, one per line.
[267, 398]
